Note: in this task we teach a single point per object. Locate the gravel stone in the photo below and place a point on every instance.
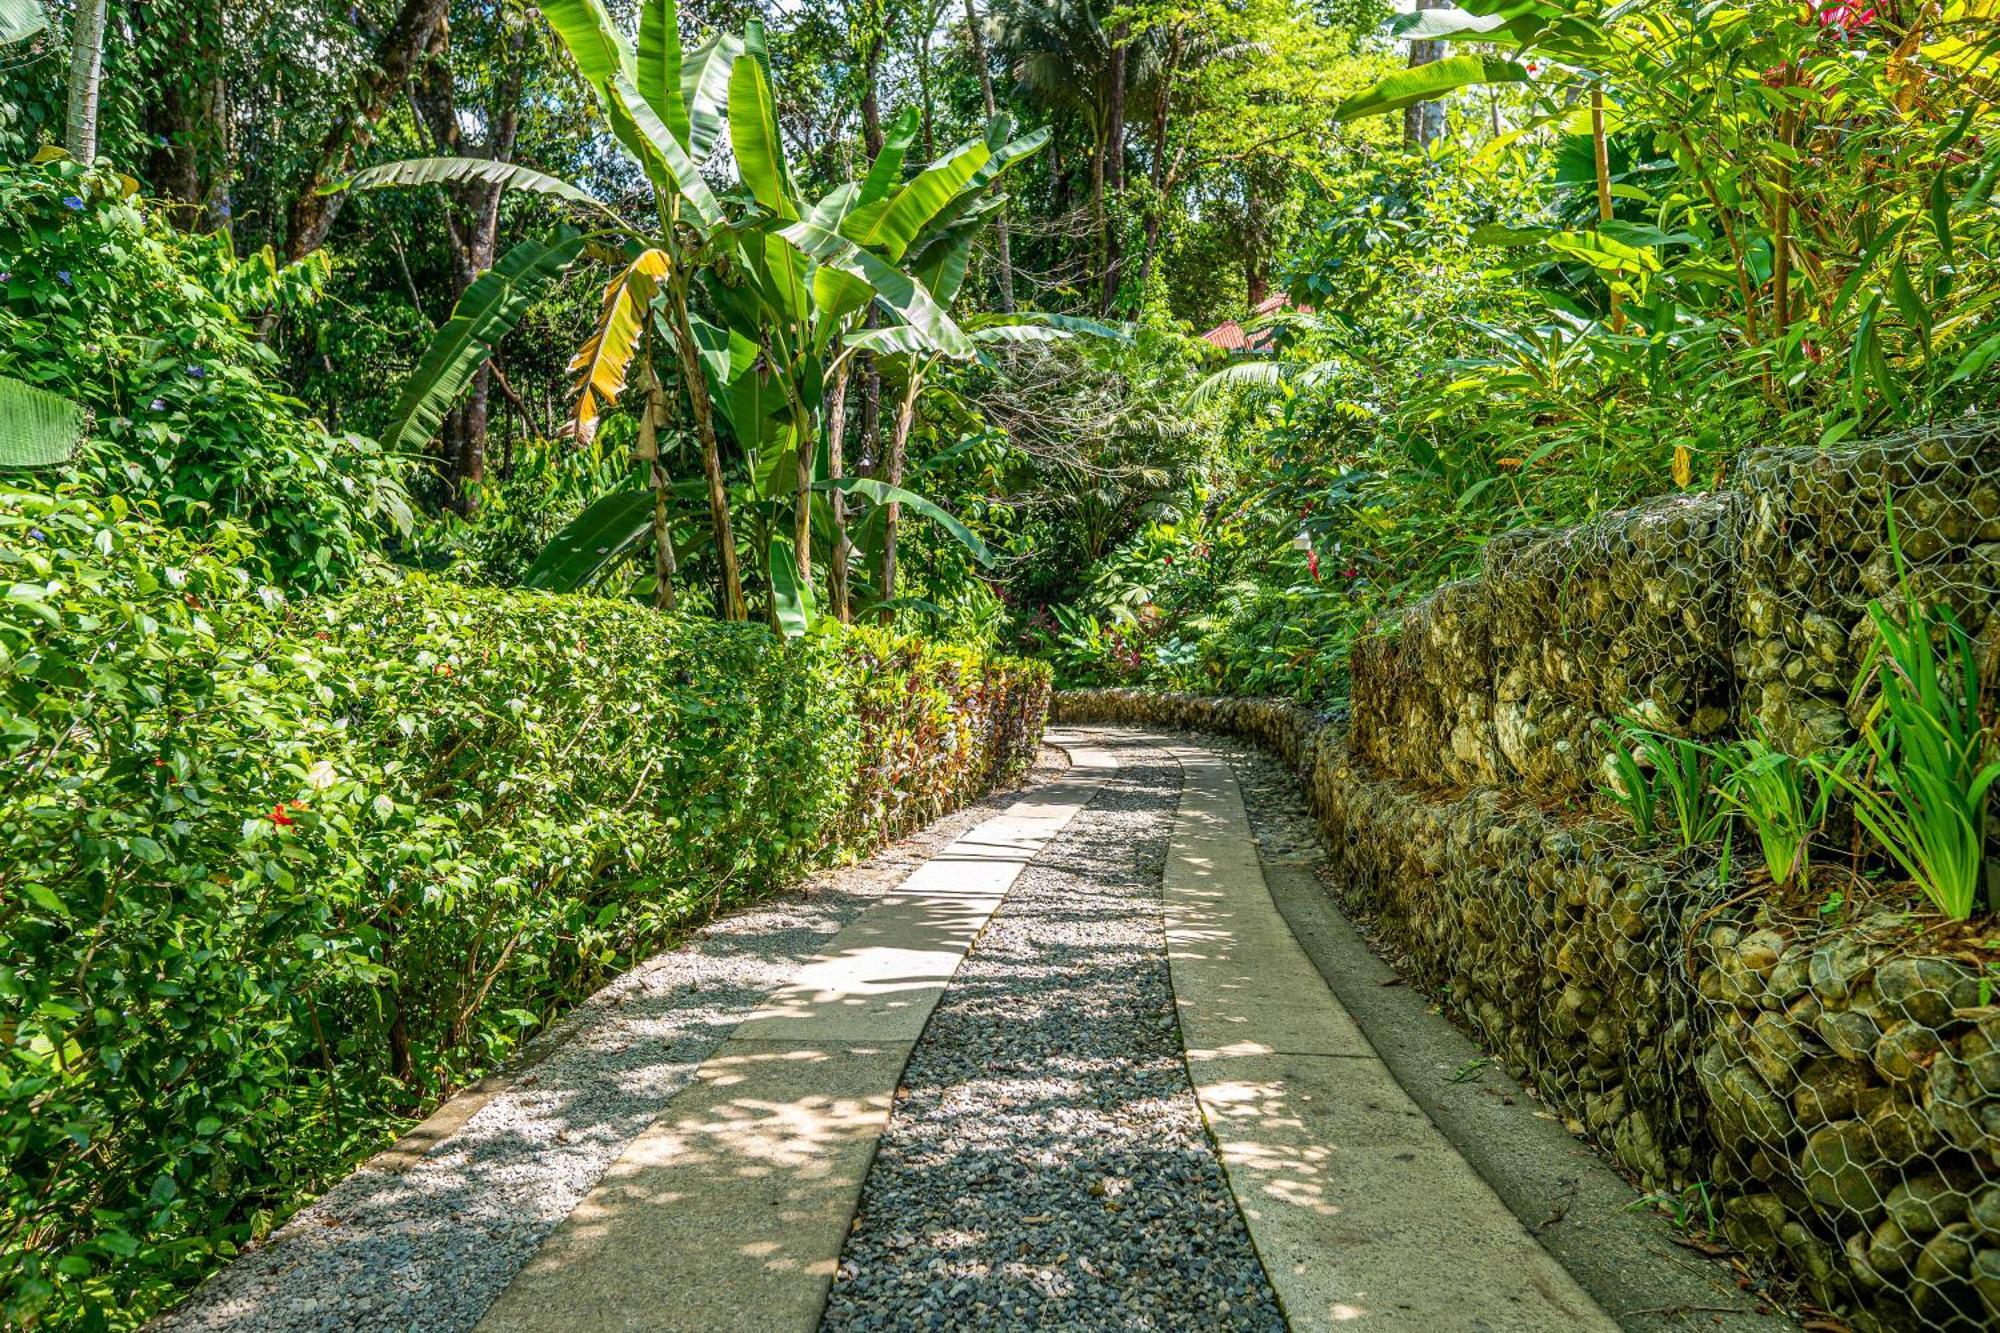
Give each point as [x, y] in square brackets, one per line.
[429, 1248]
[1046, 1164]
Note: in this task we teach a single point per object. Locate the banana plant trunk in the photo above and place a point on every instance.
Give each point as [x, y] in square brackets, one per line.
[899, 439]
[802, 518]
[836, 433]
[655, 416]
[733, 605]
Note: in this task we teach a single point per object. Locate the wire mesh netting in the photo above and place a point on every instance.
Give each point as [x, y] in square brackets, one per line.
[1812, 1072]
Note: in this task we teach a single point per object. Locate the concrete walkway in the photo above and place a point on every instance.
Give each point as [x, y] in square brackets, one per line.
[730, 1211]
[726, 1203]
[1365, 1217]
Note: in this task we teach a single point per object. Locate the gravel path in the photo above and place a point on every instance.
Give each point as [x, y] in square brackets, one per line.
[428, 1249]
[1046, 1164]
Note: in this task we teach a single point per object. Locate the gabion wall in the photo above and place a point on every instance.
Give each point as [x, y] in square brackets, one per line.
[1820, 1079]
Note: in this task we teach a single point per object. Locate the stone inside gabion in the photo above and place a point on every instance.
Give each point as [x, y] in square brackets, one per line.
[1820, 1080]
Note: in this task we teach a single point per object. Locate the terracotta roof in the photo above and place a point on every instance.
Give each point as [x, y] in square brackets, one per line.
[1229, 335]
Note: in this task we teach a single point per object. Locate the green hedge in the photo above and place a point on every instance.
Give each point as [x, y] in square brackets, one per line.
[274, 877]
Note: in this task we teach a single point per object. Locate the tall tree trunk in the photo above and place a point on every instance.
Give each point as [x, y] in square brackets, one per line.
[836, 434]
[1423, 124]
[892, 519]
[733, 606]
[86, 76]
[977, 40]
[926, 112]
[1156, 209]
[871, 139]
[396, 56]
[473, 226]
[871, 102]
[1114, 161]
[185, 123]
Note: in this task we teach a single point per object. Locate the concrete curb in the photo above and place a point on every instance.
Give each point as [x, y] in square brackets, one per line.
[1361, 1211]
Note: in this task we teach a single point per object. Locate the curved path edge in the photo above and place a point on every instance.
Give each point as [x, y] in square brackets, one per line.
[1361, 1211]
[730, 1210]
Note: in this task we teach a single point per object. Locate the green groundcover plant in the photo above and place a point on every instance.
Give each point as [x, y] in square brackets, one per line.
[277, 875]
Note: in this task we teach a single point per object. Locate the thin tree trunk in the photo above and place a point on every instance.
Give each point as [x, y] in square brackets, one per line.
[926, 111]
[802, 511]
[388, 74]
[871, 103]
[654, 417]
[899, 440]
[977, 40]
[1601, 154]
[1781, 234]
[733, 605]
[1114, 162]
[473, 226]
[1156, 170]
[86, 77]
[1423, 123]
[836, 432]
[871, 139]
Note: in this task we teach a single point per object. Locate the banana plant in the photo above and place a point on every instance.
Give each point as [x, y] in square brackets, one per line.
[811, 274]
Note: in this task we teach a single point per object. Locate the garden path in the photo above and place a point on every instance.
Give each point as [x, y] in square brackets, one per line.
[1070, 1068]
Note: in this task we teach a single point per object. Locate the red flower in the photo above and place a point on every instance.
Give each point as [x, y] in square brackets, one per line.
[1352, 572]
[279, 817]
[1170, 562]
[1312, 563]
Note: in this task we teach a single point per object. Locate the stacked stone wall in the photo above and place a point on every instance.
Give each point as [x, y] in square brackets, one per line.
[1820, 1074]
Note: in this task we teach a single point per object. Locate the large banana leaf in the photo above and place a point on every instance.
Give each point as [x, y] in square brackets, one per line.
[1074, 324]
[886, 171]
[593, 40]
[1425, 83]
[881, 493]
[486, 313]
[791, 600]
[38, 428]
[579, 554]
[667, 164]
[902, 294]
[891, 225]
[20, 20]
[658, 71]
[705, 90]
[753, 133]
[600, 364]
[453, 170]
[975, 200]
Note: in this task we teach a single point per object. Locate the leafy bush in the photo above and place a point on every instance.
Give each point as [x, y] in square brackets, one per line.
[153, 331]
[279, 875]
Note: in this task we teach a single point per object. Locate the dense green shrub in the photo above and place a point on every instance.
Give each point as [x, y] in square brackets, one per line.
[155, 331]
[276, 875]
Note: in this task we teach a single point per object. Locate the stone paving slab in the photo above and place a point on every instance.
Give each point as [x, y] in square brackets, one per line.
[729, 1212]
[1364, 1215]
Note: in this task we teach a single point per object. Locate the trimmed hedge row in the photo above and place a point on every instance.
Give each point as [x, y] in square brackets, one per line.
[277, 876]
